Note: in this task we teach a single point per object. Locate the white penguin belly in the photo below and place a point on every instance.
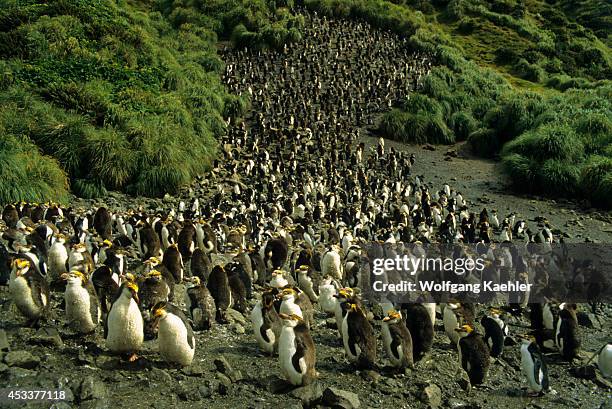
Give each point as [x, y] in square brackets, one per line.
[345, 342]
[22, 296]
[258, 321]
[290, 307]
[78, 308]
[450, 323]
[327, 301]
[125, 327]
[173, 344]
[286, 350]
[604, 361]
[527, 367]
[387, 339]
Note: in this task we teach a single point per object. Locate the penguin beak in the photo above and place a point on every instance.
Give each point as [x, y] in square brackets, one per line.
[65, 276]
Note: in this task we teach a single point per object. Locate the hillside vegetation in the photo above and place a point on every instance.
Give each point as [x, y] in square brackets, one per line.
[102, 94]
[523, 82]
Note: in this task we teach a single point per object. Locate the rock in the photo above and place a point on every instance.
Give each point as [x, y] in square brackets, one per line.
[464, 382]
[21, 359]
[94, 404]
[238, 329]
[223, 365]
[275, 385]
[308, 394]
[331, 323]
[205, 391]
[338, 398]
[161, 375]
[371, 376]
[47, 336]
[16, 373]
[584, 372]
[431, 395]
[429, 147]
[3, 368]
[84, 358]
[4, 343]
[234, 316]
[588, 320]
[454, 403]
[92, 389]
[61, 405]
[451, 153]
[225, 384]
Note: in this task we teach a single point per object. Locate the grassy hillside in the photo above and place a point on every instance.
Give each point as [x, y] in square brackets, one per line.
[104, 94]
[519, 80]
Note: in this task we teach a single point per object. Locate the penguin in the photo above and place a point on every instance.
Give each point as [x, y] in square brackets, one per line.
[83, 311]
[6, 261]
[567, 336]
[218, 285]
[152, 288]
[124, 325]
[288, 305]
[496, 332]
[173, 261]
[202, 305]
[604, 360]
[296, 351]
[186, 242]
[57, 257]
[102, 223]
[266, 322]
[344, 295]
[358, 337]
[451, 320]
[421, 328]
[10, 216]
[275, 253]
[397, 341]
[148, 242]
[237, 287]
[174, 334]
[305, 282]
[106, 284]
[279, 279]
[29, 291]
[533, 366]
[474, 355]
[327, 291]
[331, 263]
[200, 264]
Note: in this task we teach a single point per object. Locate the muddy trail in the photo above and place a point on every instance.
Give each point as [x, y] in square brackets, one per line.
[229, 370]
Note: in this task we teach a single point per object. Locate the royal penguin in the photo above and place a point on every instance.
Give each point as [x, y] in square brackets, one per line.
[187, 240]
[296, 351]
[218, 285]
[452, 320]
[124, 325]
[266, 322]
[279, 279]
[83, 311]
[496, 332]
[604, 360]
[202, 305]
[474, 355]
[304, 282]
[275, 253]
[331, 263]
[148, 242]
[533, 366]
[238, 288]
[567, 335]
[10, 216]
[174, 334]
[328, 288]
[358, 337]
[421, 328]
[29, 291]
[397, 340]
[57, 257]
[346, 294]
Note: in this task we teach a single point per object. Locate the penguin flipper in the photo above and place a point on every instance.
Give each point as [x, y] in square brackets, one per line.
[40, 289]
[396, 340]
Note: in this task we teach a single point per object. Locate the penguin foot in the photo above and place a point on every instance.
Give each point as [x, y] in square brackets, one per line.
[133, 358]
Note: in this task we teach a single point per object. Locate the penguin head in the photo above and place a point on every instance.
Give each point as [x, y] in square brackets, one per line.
[132, 287]
[495, 312]
[154, 275]
[465, 330]
[345, 293]
[74, 277]
[194, 282]
[107, 244]
[152, 262]
[304, 269]
[158, 311]
[527, 338]
[21, 266]
[288, 294]
[393, 317]
[290, 320]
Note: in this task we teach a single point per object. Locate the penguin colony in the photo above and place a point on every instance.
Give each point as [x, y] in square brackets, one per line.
[289, 203]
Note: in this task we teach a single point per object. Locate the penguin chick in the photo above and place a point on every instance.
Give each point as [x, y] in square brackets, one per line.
[29, 290]
[397, 340]
[473, 354]
[203, 308]
[266, 322]
[82, 306]
[175, 336]
[296, 351]
[173, 261]
[344, 295]
[124, 326]
[237, 288]
[305, 283]
[496, 332]
[331, 263]
[421, 328]
[200, 264]
[358, 337]
[533, 366]
[218, 285]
